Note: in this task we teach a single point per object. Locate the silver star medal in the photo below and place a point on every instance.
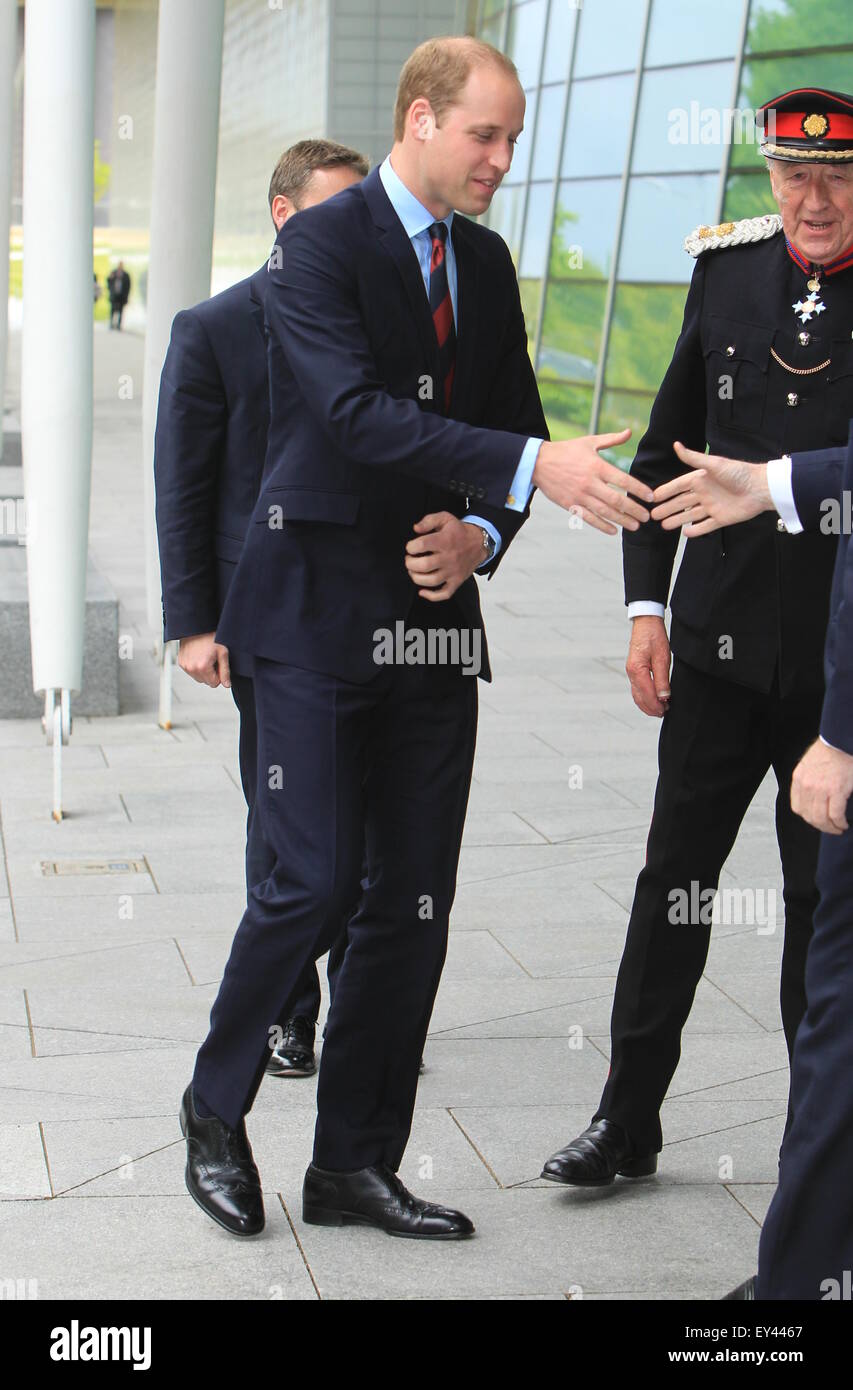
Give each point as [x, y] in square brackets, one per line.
[804, 308]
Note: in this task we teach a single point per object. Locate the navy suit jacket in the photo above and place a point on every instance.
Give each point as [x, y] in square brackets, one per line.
[209, 448]
[360, 447]
[815, 478]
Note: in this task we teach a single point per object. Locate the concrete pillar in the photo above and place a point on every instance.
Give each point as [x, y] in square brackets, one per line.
[56, 346]
[186, 135]
[8, 34]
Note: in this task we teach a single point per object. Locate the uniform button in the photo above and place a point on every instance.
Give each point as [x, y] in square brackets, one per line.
[804, 339]
[780, 525]
[730, 350]
[792, 398]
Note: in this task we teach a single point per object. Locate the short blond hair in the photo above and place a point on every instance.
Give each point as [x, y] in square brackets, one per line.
[438, 71]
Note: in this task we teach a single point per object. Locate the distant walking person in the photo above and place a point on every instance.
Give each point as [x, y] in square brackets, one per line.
[118, 288]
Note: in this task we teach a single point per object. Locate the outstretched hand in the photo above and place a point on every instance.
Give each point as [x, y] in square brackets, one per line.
[714, 492]
[573, 474]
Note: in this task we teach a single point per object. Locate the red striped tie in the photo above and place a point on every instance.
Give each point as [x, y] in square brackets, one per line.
[441, 307]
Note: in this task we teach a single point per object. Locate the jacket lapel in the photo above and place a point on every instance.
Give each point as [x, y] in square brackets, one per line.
[467, 276]
[396, 244]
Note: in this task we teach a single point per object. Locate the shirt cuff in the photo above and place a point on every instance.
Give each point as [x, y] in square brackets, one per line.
[827, 744]
[521, 487]
[490, 530]
[782, 493]
[646, 608]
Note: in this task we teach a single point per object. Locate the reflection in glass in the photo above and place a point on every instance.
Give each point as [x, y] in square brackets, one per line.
[537, 230]
[504, 217]
[763, 79]
[549, 129]
[609, 35]
[645, 325]
[681, 121]
[796, 24]
[561, 33]
[680, 33]
[620, 409]
[571, 330]
[585, 228]
[661, 212]
[525, 38]
[567, 408]
[598, 125]
[520, 167]
[748, 195]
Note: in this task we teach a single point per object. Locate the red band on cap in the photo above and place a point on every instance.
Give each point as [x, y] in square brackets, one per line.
[790, 124]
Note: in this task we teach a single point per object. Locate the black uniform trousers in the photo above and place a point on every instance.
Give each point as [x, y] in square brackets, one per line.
[377, 772]
[806, 1248]
[717, 742]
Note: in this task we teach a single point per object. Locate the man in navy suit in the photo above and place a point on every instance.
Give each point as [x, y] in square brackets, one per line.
[401, 387]
[209, 449]
[806, 1248]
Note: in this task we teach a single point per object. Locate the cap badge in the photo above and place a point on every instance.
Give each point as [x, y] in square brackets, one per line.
[815, 125]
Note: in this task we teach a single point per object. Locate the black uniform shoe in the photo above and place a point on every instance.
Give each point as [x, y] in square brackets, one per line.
[294, 1055]
[377, 1197]
[744, 1291]
[221, 1174]
[597, 1155]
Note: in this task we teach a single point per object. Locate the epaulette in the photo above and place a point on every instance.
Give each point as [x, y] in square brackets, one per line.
[733, 233]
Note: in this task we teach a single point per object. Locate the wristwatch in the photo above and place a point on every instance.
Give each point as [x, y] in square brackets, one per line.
[488, 546]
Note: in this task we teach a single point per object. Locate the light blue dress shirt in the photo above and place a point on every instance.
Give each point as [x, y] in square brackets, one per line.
[417, 220]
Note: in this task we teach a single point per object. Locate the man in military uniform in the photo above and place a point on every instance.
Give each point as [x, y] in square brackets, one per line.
[763, 367]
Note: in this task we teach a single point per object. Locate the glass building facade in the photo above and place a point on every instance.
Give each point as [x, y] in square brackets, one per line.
[638, 128]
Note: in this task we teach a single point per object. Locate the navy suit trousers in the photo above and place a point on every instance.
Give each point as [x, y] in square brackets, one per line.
[376, 772]
[807, 1241]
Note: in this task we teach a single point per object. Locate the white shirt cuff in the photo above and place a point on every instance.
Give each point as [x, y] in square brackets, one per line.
[830, 745]
[782, 493]
[645, 608]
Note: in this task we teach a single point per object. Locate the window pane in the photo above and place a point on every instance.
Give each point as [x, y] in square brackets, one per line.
[548, 132]
[561, 33]
[660, 214]
[525, 39]
[597, 131]
[618, 409]
[571, 330]
[537, 231]
[609, 33]
[567, 408]
[504, 217]
[530, 291]
[680, 123]
[796, 24]
[748, 195]
[646, 323]
[585, 228]
[680, 33]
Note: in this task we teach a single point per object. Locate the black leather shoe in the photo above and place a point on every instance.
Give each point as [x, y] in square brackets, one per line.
[294, 1055]
[377, 1197]
[597, 1155]
[221, 1175]
[744, 1291]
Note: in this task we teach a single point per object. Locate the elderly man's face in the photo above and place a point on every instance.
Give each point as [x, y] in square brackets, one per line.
[816, 203]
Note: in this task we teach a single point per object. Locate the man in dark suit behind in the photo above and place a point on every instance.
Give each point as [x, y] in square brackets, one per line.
[400, 385]
[209, 450]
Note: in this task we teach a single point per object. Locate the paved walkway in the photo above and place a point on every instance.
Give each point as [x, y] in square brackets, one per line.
[106, 980]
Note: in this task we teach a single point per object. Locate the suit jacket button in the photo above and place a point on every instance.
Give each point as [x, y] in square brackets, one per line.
[453, 485]
[481, 492]
[793, 398]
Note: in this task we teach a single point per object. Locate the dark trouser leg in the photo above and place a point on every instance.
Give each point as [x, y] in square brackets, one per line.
[416, 793]
[260, 858]
[799, 843]
[312, 733]
[807, 1239]
[712, 756]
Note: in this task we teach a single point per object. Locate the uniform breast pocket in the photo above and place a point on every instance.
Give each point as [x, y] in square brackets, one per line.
[737, 356]
[839, 392]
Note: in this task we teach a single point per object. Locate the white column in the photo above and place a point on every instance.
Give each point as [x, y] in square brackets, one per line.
[8, 35]
[56, 346]
[186, 133]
